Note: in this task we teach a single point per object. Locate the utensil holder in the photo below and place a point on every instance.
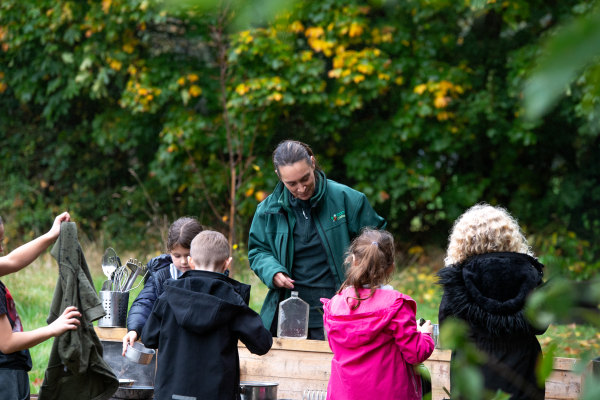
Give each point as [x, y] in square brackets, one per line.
[115, 306]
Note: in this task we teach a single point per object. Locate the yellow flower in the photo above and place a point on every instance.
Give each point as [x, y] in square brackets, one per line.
[383, 77]
[365, 69]
[441, 102]
[419, 89]
[242, 89]
[181, 81]
[249, 192]
[445, 86]
[358, 78]
[106, 5]
[260, 195]
[306, 56]
[246, 36]
[314, 32]
[334, 73]
[399, 81]
[276, 96]
[297, 27]
[116, 65]
[195, 90]
[192, 77]
[338, 62]
[355, 30]
[3, 87]
[127, 48]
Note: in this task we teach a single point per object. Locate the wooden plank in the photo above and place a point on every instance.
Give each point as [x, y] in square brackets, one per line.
[112, 334]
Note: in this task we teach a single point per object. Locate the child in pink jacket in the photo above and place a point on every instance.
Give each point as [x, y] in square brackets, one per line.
[372, 329]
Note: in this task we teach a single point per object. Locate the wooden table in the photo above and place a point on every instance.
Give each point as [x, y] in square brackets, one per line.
[300, 365]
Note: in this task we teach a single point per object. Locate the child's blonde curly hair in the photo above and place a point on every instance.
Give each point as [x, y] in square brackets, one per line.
[484, 229]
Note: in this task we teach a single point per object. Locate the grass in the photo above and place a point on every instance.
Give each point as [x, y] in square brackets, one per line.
[33, 288]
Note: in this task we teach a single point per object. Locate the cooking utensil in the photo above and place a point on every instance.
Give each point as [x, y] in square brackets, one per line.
[109, 262]
[120, 277]
[140, 354]
[137, 269]
[251, 390]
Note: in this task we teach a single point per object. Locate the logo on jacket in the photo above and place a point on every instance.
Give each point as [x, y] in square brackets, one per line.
[338, 216]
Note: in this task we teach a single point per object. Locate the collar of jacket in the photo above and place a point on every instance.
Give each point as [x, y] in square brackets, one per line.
[282, 194]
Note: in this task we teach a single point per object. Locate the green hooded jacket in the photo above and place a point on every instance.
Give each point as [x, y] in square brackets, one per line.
[340, 213]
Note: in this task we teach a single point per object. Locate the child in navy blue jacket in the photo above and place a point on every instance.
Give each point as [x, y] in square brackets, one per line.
[198, 320]
[161, 268]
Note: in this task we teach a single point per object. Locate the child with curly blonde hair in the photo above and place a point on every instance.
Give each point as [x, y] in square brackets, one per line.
[490, 271]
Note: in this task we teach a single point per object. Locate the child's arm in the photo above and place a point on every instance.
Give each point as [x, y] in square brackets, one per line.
[11, 342]
[251, 331]
[416, 346]
[24, 255]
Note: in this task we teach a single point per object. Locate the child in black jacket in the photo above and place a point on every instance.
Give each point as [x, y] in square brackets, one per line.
[198, 320]
[490, 272]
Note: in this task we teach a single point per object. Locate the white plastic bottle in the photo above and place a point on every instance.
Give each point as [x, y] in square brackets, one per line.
[293, 318]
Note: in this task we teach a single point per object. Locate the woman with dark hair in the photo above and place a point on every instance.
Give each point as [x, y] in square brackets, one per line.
[300, 232]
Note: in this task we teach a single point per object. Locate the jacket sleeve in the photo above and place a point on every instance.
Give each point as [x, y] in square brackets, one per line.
[416, 347]
[143, 303]
[151, 330]
[363, 215]
[262, 260]
[142, 306]
[249, 328]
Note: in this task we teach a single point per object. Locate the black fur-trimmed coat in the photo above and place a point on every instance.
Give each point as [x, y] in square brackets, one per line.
[489, 292]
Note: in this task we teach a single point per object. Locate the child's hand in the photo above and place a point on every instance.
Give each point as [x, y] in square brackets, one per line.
[426, 327]
[55, 230]
[66, 322]
[128, 339]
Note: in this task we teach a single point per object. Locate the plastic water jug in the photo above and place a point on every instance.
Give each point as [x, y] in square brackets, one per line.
[293, 318]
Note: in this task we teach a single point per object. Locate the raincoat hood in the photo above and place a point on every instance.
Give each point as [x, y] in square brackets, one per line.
[355, 328]
[202, 305]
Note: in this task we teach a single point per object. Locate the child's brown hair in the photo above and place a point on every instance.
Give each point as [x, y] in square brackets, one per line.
[182, 232]
[370, 260]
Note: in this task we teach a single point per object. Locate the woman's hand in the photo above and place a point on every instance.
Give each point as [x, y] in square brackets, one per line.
[426, 327]
[281, 280]
[128, 339]
[68, 321]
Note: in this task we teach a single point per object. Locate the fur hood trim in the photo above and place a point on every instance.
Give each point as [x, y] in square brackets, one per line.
[490, 290]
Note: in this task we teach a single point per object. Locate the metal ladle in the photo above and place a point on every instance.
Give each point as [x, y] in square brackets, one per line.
[110, 263]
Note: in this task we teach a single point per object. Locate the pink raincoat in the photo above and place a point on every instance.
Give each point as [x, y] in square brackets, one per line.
[374, 346]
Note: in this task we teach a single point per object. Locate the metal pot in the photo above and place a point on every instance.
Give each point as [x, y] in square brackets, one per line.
[134, 393]
[258, 390]
[139, 353]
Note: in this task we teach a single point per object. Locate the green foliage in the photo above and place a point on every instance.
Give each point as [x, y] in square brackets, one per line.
[565, 254]
[130, 113]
